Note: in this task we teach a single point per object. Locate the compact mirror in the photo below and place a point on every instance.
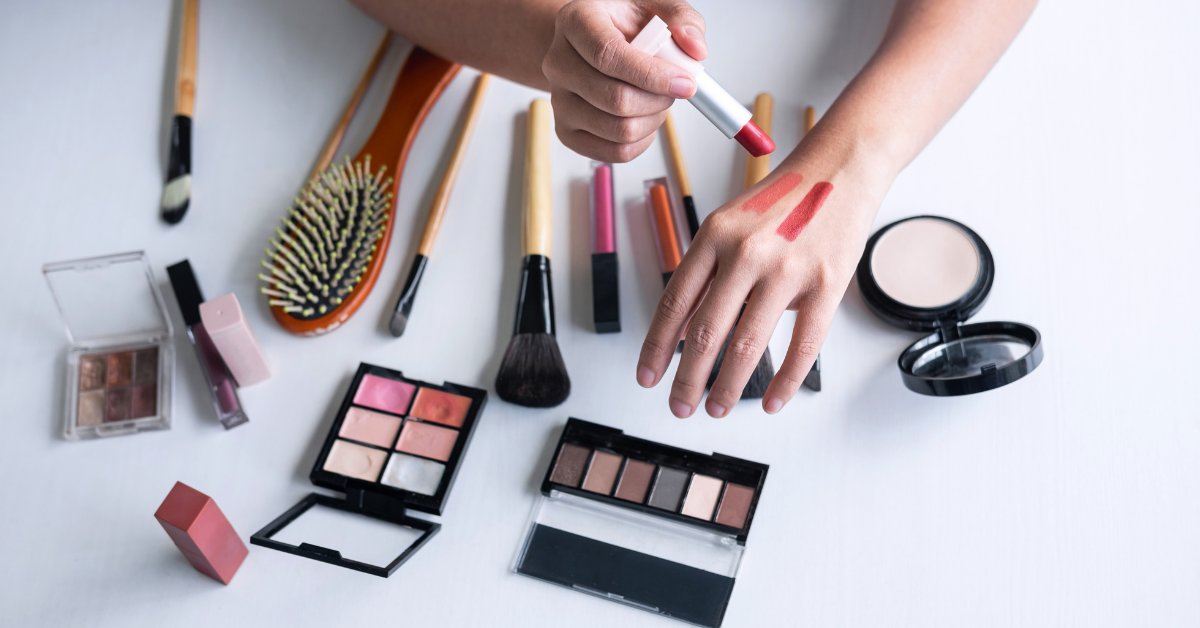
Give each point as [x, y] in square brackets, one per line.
[928, 273]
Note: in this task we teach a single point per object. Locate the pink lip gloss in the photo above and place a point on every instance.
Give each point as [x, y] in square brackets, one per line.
[606, 306]
[722, 109]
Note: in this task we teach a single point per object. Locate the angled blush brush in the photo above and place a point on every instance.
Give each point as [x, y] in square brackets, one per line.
[433, 222]
[681, 175]
[532, 372]
[756, 169]
[177, 193]
[327, 254]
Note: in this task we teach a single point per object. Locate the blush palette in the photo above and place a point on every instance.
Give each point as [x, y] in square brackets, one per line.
[653, 526]
[396, 443]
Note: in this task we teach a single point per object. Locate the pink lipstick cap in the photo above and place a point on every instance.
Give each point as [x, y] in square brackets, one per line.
[230, 332]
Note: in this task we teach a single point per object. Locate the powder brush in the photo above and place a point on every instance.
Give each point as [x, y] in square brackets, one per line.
[756, 169]
[437, 211]
[532, 372]
[177, 193]
[327, 254]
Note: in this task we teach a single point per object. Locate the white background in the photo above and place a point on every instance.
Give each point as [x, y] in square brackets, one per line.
[1070, 498]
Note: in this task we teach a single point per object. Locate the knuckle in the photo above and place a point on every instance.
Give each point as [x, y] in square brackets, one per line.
[787, 381]
[603, 55]
[807, 346]
[654, 346]
[621, 99]
[627, 130]
[672, 305]
[625, 153]
[744, 351]
[685, 389]
[704, 337]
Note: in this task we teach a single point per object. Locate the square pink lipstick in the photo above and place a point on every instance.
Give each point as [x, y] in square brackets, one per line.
[396, 443]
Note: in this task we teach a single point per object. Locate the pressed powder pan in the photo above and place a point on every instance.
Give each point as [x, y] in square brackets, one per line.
[928, 273]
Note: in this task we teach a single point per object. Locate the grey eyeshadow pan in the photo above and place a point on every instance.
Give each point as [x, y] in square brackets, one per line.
[668, 489]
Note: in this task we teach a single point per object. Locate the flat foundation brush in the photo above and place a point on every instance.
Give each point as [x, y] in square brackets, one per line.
[177, 194]
[532, 372]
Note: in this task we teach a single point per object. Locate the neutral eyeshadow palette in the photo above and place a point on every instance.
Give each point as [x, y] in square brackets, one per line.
[118, 386]
[396, 443]
[645, 524]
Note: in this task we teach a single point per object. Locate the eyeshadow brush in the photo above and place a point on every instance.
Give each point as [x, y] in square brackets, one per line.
[532, 372]
[437, 211]
[756, 169]
[812, 381]
[681, 175]
[177, 194]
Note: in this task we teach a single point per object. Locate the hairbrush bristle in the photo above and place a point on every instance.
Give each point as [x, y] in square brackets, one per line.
[327, 240]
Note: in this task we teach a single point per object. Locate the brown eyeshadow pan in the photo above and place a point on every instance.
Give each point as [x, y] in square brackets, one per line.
[735, 505]
[635, 481]
[602, 472]
[568, 469]
[145, 366]
[117, 402]
[145, 401]
[91, 372]
[120, 369]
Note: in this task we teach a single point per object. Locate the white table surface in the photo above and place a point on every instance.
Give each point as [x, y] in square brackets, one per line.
[1070, 498]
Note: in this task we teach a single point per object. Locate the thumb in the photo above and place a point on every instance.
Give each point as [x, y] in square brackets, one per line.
[686, 24]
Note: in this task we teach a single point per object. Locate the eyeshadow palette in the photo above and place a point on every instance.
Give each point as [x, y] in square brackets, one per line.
[120, 363]
[396, 443]
[649, 525]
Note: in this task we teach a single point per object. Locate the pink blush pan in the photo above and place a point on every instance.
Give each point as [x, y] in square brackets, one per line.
[369, 427]
[384, 394]
[428, 441]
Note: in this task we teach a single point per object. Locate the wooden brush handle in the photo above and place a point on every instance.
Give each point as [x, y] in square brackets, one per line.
[758, 167]
[536, 216]
[185, 69]
[339, 131]
[440, 200]
[685, 185]
[810, 119]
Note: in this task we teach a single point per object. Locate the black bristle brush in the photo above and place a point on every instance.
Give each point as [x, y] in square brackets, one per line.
[177, 194]
[532, 372]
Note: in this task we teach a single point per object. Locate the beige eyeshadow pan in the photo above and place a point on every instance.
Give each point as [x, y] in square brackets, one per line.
[602, 472]
[702, 497]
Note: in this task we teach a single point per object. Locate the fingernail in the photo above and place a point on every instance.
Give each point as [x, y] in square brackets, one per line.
[716, 410]
[694, 33]
[773, 405]
[645, 377]
[681, 409]
[681, 87]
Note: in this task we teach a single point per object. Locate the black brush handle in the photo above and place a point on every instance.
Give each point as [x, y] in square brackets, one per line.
[535, 301]
[179, 162]
[405, 303]
[689, 209]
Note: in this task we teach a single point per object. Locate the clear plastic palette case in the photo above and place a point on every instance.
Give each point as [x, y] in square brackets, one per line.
[120, 362]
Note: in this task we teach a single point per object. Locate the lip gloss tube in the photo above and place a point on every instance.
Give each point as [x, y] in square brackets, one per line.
[220, 382]
[666, 236]
[226, 324]
[721, 108]
[606, 309]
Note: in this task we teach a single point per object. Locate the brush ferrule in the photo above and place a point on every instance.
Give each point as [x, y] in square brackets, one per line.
[408, 295]
[535, 301]
[179, 161]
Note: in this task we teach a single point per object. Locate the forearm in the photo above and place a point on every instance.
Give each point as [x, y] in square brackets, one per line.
[933, 55]
[508, 38]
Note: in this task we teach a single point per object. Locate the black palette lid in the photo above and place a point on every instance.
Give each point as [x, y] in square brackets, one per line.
[958, 359]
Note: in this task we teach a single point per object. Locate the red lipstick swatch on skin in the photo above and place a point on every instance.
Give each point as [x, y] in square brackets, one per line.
[764, 200]
[804, 212]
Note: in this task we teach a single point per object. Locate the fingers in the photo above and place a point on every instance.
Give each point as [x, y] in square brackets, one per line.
[745, 349]
[594, 147]
[686, 24]
[594, 36]
[570, 72]
[679, 300]
[705, 335]
[812, 323]
[574, 113]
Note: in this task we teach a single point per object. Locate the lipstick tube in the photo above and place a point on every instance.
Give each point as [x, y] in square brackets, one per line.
[606, 308]
[217, 377]
[718, 105]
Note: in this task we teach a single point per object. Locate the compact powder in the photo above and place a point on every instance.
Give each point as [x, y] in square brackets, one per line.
[440, 407]
[925, 263]
[354, 461]
[668, 488]
[369, 427]
[735, 506]
[702, 497]
[568, 469]
[635, 481]
[384, 394]
[413, 474]
[602, 472]
[429, 441]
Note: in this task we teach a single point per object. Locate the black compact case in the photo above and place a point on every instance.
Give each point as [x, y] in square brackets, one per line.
[620, 542]
[958, 358]
[375, 498]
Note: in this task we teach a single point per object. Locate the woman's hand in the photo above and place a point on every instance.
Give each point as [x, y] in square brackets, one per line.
[790, 242]
[609, 97]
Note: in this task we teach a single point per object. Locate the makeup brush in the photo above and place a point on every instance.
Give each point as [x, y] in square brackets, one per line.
[339, 131]
[756, 169]
[532, 372]
[177, 193]
[328, 252]
[437, 211]
[681, 176]
[812, 381]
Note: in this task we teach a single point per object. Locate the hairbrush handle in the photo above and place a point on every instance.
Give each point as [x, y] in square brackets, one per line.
[757, 168]
[676, 152]
[185, 68]
[442, 198]
[339, 131]
[536, 214]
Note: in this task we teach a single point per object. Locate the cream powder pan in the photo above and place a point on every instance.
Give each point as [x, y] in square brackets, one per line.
[925, 263]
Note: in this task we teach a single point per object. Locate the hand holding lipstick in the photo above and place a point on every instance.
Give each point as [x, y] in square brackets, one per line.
[608, 96]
